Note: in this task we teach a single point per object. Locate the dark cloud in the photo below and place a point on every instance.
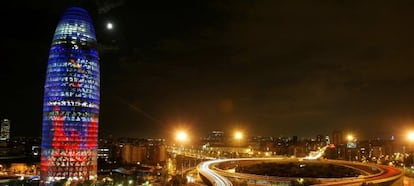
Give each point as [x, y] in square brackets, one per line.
[104, 6]
[288, 66]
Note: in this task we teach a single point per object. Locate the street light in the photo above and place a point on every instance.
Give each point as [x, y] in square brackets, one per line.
[350, 137]
[238, 135]
[411, 136]
[349, 145]
[181, 136]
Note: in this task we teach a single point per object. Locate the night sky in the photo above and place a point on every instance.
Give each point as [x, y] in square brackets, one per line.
[270, 68]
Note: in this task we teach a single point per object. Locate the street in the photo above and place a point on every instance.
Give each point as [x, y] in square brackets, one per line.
[408, 181]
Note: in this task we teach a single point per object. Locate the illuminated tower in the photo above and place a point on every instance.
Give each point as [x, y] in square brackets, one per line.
[71, 101]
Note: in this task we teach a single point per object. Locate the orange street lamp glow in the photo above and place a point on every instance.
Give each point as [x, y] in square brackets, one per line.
[350, 137]
[238, 135]
[411, 136]
[181, 136]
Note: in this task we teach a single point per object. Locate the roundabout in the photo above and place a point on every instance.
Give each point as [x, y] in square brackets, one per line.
[293, 171]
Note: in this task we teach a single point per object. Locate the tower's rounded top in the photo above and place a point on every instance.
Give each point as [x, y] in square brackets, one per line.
[76, 13]
[75, 22]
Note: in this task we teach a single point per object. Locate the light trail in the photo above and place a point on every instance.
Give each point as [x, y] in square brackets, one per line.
[316, 154]
[213, 177]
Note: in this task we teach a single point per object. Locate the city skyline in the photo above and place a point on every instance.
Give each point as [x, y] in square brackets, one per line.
[270, 68]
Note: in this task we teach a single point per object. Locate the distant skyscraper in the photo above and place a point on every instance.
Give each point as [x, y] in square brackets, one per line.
[5, 130]
[327, 140]
[337, 137]
[71, 101]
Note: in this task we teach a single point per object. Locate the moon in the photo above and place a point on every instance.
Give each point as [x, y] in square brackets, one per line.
[109, 26]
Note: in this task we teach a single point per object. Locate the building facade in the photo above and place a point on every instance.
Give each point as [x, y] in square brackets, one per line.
[337, 137]
[5, 130]
[150, 152]
[71, 101]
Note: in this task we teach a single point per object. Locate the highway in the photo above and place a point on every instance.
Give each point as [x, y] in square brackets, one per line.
[408, 181]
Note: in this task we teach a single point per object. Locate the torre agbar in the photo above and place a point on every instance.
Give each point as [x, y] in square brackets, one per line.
[71, 101]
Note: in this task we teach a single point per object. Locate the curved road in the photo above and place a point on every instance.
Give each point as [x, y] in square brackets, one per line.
[387, 173]
[212, 176]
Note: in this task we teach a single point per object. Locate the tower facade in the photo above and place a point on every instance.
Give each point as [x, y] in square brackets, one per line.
[71, 101]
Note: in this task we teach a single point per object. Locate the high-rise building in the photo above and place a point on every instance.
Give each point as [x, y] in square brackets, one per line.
[215, 138]
[5, 130]
[337, 137]
[71, 101]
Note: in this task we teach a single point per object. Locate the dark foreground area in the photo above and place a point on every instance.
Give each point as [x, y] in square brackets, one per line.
[308, 170]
